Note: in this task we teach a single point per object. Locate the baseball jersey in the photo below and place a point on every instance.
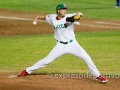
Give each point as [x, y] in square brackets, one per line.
[63, 30]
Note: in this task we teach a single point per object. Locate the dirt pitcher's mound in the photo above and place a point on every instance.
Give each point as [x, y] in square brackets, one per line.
[42, 82]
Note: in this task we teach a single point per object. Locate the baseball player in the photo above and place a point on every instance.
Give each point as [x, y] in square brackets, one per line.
[66, 42]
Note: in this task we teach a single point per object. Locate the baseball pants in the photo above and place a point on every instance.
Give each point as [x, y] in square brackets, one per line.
[61, 49]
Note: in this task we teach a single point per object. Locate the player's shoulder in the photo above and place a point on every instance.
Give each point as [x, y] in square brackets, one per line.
[51, 15]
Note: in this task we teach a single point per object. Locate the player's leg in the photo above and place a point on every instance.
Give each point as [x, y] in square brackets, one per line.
[76, 50]
[117, 3]
[56, 52]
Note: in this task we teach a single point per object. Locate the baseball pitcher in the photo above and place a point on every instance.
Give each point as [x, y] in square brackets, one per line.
[66, 42]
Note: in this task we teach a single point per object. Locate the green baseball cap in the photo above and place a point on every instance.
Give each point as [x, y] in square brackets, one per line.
[61, 6]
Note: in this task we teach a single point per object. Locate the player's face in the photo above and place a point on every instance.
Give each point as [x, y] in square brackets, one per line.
[62, 12]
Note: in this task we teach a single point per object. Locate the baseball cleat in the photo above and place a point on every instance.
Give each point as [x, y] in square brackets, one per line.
[102, 79]
[23, 73]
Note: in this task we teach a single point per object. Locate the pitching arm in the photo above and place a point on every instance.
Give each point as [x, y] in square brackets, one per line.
[38, 18]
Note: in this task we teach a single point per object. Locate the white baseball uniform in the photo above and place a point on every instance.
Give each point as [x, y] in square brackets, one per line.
[66, 44]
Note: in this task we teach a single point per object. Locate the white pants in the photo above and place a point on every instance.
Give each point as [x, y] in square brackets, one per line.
[60, 49]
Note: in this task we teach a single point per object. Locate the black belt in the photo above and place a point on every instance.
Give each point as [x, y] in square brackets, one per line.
[65, 42]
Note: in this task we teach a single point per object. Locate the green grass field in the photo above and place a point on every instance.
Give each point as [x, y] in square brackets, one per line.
[19, 52]
[101, 9]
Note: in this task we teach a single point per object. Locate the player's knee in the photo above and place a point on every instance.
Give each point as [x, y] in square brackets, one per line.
[85, 57]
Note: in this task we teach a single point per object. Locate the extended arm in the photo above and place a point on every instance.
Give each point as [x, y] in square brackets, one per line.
[38, 18]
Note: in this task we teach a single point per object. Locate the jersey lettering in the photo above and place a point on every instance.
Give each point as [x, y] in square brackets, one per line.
[59, 26]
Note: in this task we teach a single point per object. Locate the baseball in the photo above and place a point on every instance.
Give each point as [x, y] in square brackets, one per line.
[34, 23]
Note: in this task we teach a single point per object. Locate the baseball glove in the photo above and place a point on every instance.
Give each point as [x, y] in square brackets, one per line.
[73, 18]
